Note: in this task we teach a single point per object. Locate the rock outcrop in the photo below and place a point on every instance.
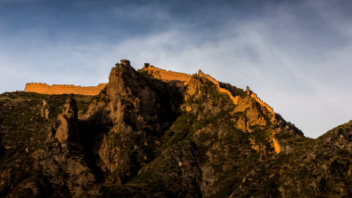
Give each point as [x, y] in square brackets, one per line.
[68, 122]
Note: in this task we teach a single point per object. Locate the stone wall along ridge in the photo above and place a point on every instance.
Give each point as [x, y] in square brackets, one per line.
[56, 89]
[166, 75]
[254, 96]
[222, 90]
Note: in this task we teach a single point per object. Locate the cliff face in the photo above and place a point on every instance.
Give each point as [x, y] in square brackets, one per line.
[156, 133]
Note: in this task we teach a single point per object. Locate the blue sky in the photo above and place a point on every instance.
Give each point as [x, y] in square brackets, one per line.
[296, 55]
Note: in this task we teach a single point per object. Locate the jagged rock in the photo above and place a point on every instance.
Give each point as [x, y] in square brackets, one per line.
[45, 110]
[62, 133]
[67, 128]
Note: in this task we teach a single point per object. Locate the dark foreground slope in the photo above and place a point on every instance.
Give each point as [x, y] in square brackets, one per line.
[143, 137]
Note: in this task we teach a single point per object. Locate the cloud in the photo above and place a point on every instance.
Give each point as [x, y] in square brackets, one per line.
[19, 1]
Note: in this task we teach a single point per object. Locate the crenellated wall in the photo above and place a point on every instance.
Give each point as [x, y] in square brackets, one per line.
[222, 90]
[235, 99]
[185, 78]
[43, 88]
[269, 108]
[166, 75]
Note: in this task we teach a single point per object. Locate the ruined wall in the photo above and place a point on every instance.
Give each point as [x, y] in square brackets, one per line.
[269, 108]
[235, 99]
[222, 90]
[166, 75]
[43, 88]
[185, 78]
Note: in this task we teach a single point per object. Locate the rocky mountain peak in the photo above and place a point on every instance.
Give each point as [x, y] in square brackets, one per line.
[159, 133]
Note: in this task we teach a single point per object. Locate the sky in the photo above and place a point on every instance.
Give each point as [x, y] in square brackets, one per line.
[296, 55]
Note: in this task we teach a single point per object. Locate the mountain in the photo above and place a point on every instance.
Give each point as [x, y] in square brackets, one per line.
[157, 133]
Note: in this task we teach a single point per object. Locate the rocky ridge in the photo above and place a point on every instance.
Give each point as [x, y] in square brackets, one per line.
[157, 133]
